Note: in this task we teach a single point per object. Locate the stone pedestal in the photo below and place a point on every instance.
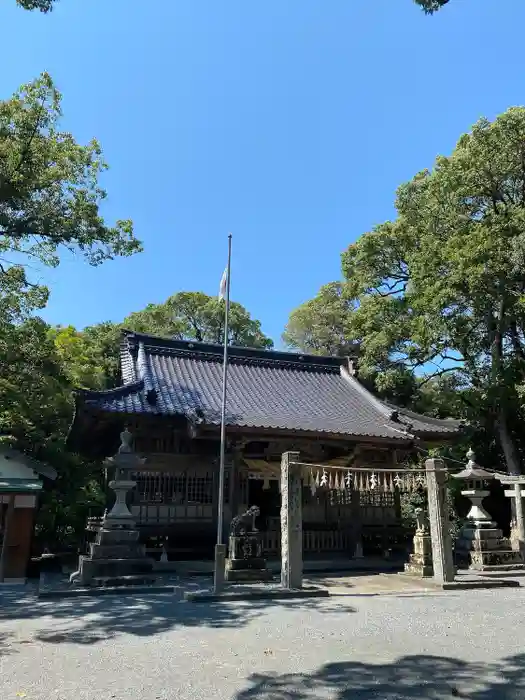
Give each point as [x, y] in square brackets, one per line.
[420, 563]
[291, 522]
[116, 558]
[246, 561]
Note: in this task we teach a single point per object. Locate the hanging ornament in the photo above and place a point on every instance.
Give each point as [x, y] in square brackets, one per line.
[330, 481]
[324, 478]
[336, 482]
[398, 481]
[348, 480]
[317, 480]
[373, 481]
[313, 486]
[342, 481]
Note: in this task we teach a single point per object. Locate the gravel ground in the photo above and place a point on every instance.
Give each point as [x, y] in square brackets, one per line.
[466, 644]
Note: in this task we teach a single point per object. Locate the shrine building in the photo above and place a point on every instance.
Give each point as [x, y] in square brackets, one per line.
[170, 400]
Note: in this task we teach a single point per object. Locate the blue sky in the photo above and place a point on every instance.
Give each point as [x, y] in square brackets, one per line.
[288, 122]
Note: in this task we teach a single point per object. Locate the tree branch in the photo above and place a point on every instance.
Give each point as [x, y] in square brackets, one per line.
[436, 375]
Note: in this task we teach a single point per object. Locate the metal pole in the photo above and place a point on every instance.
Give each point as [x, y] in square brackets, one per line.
[220, 549]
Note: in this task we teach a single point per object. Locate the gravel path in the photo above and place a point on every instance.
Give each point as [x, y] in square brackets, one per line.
[423, 647]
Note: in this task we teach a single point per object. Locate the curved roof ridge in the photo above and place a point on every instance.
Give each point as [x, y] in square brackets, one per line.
[200, 350]
[143, 372]
[127, 364]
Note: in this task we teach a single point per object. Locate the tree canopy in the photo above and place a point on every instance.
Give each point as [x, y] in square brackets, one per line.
[42, 5]
[49, 196]
[440, 290]
[431, 6]
[90, 358]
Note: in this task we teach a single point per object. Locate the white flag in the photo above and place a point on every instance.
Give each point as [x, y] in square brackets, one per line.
[222, 288]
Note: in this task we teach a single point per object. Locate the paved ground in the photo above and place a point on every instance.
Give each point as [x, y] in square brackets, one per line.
[434, 646]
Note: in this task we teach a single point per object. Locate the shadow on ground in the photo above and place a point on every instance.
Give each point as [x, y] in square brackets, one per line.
[407, 678]
[92, 620]
[5, 646]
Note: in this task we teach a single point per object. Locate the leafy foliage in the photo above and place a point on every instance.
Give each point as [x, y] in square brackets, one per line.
[431, 6]
[49, 199]
[90, 358]
[42, 5]
[49, 196]
[440, 291]
[428, 6]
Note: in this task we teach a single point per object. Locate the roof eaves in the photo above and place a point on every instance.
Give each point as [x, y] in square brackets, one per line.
[385, 410]
[445, 424]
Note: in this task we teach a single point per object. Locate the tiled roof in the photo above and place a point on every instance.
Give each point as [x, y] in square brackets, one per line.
[266, 389]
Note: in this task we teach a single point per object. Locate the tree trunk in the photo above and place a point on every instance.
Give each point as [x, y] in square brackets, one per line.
[496, 328]
[507, 444]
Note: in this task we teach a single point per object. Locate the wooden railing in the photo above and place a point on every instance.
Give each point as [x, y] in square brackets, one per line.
[314, 541]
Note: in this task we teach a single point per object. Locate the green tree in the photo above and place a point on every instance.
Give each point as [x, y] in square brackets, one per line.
[197, 316]
[90, 358]
[49, 196]
[441, 288]
[35, 413]
[321, 326]
[431, 6]
[42, 5]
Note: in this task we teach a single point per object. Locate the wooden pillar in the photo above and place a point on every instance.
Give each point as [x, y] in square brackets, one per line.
[357, 524]
[234, 484]
[5, 540]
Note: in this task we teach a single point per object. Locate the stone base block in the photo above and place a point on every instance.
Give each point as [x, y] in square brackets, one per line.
[115, 522]
[114, 581]
[116, 551]
[240, 564]
[90, 569]
[117, 536]
[248, 575]
[420, 570]
[482, 561]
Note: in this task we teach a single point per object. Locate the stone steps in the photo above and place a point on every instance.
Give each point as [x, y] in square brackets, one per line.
[121, 581]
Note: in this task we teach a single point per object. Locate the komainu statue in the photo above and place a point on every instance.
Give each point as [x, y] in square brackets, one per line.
[244, 524]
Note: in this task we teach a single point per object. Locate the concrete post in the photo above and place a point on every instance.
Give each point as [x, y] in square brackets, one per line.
[439, 532]
[291, 522]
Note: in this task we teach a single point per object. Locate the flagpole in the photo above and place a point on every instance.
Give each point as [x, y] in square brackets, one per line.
[220, 549]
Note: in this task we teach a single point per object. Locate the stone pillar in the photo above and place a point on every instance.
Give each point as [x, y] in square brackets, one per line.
[515, 490]
[291, 522]
[520, 522]
[439, 531]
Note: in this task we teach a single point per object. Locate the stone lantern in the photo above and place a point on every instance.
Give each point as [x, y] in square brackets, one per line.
[481, 545]
[476, 482]
[116, 558]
